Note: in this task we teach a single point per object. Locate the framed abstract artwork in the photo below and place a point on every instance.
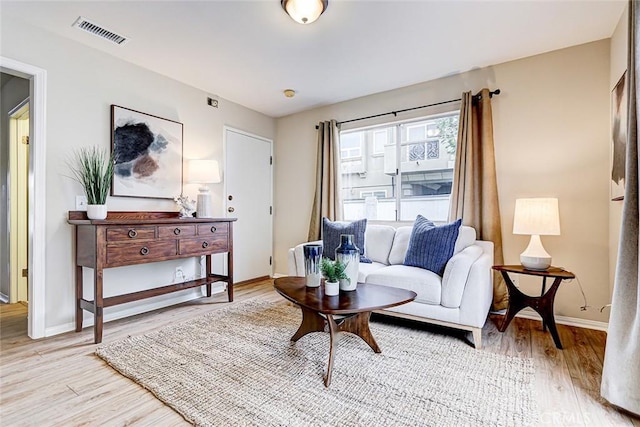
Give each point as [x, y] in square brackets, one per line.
[147, 152]
[618, 137]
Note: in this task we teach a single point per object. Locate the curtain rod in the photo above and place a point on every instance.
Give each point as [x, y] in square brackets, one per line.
[491, 93]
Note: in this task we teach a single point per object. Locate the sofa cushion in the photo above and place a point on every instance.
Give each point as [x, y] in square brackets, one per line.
[430, 247]
[378, 241]
[331, 232]
[426, 284]
[366, 269]
[466, 238]
[400, 245]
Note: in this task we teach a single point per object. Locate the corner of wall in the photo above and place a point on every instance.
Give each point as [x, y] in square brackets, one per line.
[618, 65]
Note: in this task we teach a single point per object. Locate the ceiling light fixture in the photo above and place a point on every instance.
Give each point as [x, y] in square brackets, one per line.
[289, 93]
[304, 11]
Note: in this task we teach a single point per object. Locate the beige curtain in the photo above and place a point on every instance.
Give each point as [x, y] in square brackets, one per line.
[621, 371]
[326, 202]
[474, 196]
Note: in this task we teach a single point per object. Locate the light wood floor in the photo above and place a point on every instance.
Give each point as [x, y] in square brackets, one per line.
[59, 382]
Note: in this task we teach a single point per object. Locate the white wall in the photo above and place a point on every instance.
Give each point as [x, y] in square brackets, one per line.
[618, 65]
[551, 126]
[82, 84]
[12, 94]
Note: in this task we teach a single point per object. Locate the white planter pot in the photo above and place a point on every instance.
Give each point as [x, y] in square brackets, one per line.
[331, 288]
[346, 285]
[96, 211]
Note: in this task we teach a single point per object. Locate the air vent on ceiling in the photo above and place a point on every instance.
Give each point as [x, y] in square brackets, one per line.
[97, 30]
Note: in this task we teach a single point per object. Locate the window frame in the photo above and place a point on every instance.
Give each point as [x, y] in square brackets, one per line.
[374, 151]
[360, 149]
[399, 127]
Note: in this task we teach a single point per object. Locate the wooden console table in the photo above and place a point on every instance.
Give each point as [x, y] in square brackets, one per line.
[129, 238]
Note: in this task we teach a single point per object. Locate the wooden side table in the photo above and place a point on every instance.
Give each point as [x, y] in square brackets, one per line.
[542, 304]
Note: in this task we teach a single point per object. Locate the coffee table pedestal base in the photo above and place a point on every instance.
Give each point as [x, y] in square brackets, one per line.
[357, 324]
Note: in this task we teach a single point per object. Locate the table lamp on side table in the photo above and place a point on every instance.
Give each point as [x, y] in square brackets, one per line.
[536, 217]
[204, 172]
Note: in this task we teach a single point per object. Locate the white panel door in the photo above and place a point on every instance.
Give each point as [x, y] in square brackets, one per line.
[247, 178]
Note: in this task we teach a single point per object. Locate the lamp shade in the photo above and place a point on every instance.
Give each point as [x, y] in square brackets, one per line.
[537, 216]
[304, 11]
[203, 172]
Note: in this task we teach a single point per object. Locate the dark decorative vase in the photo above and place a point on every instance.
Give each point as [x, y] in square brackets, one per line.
[348, 254]
[312, 258]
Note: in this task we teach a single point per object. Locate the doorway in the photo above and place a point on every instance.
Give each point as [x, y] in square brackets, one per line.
[18, 202]
[14, 96]
[36, 194]
[248, 197]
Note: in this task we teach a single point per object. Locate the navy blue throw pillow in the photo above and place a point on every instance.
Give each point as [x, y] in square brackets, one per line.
[431, 247]
[331, 232]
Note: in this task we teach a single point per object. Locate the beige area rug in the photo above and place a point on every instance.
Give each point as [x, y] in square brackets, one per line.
[237, 367]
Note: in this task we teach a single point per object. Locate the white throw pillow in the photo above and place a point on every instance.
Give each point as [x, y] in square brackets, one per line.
[378, 240]
[466, 238]
[400, 245]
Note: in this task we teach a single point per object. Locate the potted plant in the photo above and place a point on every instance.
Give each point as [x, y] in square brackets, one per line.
[333, 272]
[93, 169]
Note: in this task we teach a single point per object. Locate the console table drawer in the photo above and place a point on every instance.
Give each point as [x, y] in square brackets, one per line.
[204, 246]
[115, 234]
[124, 254]
[214, 229]
[176, 231]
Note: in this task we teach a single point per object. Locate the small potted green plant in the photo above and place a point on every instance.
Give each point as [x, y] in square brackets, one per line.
[333, 272]
[93, 169]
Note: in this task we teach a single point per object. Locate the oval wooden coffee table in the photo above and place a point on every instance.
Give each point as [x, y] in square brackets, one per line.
[353, 309]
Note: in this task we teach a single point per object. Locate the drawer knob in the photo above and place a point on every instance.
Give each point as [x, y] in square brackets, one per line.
[205, 245]
[213, 229]
[176, 231]
[144, 250]
[133, 233]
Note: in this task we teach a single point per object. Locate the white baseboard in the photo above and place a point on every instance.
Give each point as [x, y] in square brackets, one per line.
[529, 313]
[4, 298]
[132, 311]
[276, 275]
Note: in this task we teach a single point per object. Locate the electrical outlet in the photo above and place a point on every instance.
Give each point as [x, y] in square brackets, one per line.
[179, 274]
[81, 203]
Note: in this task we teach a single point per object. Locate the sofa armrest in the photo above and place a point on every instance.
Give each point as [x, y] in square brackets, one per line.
[295, 259]
[478, 293]
[456, 274]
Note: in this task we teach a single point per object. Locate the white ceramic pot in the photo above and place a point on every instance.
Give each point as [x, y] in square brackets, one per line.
[331, 288]
[348, 285]
[96, 211]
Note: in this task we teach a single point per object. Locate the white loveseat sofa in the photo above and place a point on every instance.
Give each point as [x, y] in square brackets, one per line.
[460, 299]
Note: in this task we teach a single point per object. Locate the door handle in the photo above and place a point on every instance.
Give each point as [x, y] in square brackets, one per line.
[230, 210]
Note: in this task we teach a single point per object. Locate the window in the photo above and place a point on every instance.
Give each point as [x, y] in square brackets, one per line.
[416, 132]
[380, 139]
[350, 145]
[408, 169]
[381, 194]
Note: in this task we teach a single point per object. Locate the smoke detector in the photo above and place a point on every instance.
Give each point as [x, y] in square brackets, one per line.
[98, 30]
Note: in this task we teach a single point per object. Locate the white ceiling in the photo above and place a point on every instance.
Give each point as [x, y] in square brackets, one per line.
[250, 51]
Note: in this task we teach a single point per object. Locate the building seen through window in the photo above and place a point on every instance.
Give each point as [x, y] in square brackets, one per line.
[396, 171]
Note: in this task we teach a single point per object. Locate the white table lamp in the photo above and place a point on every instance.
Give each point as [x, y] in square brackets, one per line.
[536, 217]
[204, 172]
